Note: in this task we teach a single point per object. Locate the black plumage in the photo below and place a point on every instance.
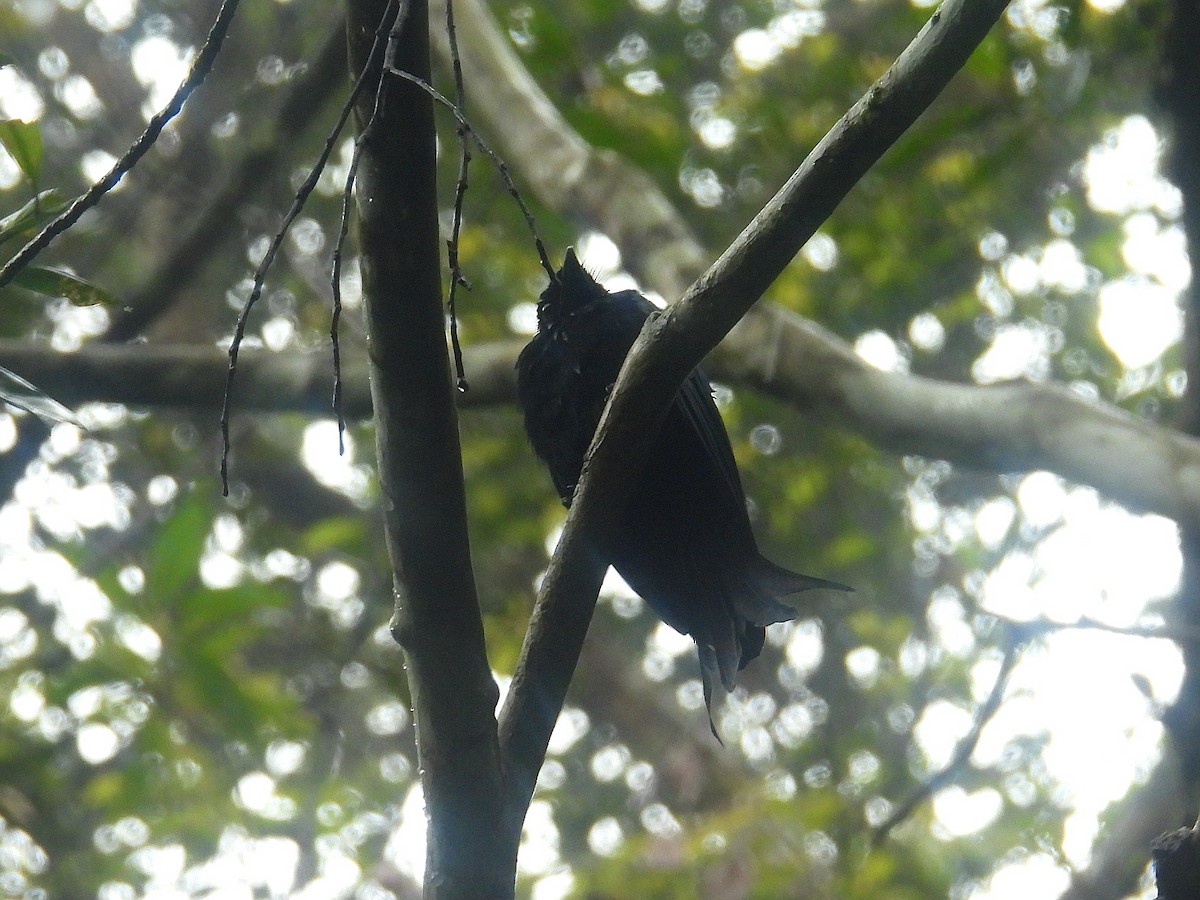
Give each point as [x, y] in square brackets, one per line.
[685, 544]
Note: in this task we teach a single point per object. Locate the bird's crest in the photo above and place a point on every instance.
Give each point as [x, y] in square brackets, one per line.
[574, 289]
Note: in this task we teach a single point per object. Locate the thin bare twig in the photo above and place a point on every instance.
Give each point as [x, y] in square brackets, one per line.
[250, 175]
[393, 44]
[264, 266]
[201, 66]
[344, 228]
[460, 192]
[1180, 634]
[1020, 633]
[500, 165]
[962, 751]
[335, 280]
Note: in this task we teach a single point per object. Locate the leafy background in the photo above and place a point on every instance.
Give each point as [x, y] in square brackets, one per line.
[195, 686]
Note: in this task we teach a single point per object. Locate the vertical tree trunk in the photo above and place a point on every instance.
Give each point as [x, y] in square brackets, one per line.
[1179, 94]
[437, 619]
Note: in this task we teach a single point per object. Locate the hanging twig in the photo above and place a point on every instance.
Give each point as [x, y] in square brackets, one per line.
[344, 228]
[264, 266]
[460, 192]
[501, 167]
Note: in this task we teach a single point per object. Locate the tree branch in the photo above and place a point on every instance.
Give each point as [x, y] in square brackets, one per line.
[1013, 427]
[673, 343]
[1181, 635]
[199, 70]
[437, 619]
[961, 756]
[570, 175]
[1009, 427]
[265, 154]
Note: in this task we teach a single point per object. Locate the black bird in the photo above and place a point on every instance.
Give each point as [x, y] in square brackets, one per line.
[685, 544]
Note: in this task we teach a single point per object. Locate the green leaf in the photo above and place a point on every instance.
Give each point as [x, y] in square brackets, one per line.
[334, 533]
[23, 141]
[204, 613]
[173, 559]
[20, 393]
[33, 215]
[207, 683]
[57, 283]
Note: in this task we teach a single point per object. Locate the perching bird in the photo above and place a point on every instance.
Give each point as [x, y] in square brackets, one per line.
[685, 544]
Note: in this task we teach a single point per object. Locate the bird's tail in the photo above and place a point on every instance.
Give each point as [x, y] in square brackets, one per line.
[753, 595]
[757, 592]
[759, 587]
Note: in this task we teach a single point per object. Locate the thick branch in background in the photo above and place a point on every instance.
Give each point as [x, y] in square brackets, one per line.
[266, 153]
[569, 175]
[437, 619]
[1011, 427]
[672, 344]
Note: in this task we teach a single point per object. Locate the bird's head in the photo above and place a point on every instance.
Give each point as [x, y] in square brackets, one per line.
[573, 289]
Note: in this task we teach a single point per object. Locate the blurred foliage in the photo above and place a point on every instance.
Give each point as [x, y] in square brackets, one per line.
[195, 686]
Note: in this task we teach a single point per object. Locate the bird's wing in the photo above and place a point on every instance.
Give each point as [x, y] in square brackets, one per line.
[548, 392]
[695, 402]
[619, 321]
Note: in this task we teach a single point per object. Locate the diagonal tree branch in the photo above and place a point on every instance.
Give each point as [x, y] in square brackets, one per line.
[199, 70]
[266, 153]
[988, 428]
[673, 343]
[961, 756]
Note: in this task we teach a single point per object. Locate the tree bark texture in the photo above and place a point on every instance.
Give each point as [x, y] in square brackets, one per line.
[437, 619]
